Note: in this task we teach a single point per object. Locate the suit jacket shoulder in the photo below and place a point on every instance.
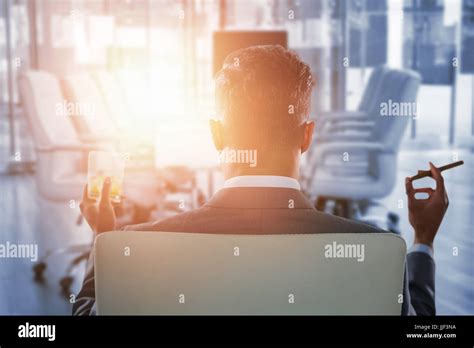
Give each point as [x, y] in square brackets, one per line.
[257, 211]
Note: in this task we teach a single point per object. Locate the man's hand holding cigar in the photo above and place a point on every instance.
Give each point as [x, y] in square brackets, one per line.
[426, 215]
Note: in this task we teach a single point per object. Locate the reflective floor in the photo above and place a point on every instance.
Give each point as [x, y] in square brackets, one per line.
[25, 218]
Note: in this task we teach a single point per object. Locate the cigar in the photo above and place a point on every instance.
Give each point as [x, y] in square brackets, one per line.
[425, 173]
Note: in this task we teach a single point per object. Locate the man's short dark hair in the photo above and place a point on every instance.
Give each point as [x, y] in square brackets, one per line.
[264, 93]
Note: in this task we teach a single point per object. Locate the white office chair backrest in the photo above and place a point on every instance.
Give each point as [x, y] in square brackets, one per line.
[399, 89]
[82, 90]
[398, 101]
[45, 109]
[191, 273]
[372, 90]
[50, 124]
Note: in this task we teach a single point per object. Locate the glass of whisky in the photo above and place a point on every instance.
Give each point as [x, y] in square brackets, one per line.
[103, 164]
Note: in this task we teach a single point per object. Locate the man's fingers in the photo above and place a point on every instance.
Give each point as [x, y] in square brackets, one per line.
[436, 174]
[424, 189]
[408, 186]
[85, 195]
[105, 196]
[446, 198]
[86, 201]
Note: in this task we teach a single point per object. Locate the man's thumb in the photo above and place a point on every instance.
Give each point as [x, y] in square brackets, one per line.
[105, 196]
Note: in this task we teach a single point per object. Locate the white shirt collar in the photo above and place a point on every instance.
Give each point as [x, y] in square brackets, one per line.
[262, 181]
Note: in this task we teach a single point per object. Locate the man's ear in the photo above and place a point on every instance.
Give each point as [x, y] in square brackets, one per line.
[217, 132]
[308, 131]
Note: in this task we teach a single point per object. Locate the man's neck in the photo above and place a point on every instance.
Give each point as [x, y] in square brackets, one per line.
[283, 162]
[233, 170]
[274, 181]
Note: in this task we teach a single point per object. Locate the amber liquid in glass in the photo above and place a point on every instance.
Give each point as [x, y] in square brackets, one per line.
[97, 182]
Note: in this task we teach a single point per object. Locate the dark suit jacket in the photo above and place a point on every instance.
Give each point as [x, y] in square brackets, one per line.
[268, 211]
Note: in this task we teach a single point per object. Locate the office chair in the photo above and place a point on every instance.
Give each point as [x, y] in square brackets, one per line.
[351, 173]
[354, 125]
[98, 126]
[61, 158]
[338, 126]
[172, 273]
